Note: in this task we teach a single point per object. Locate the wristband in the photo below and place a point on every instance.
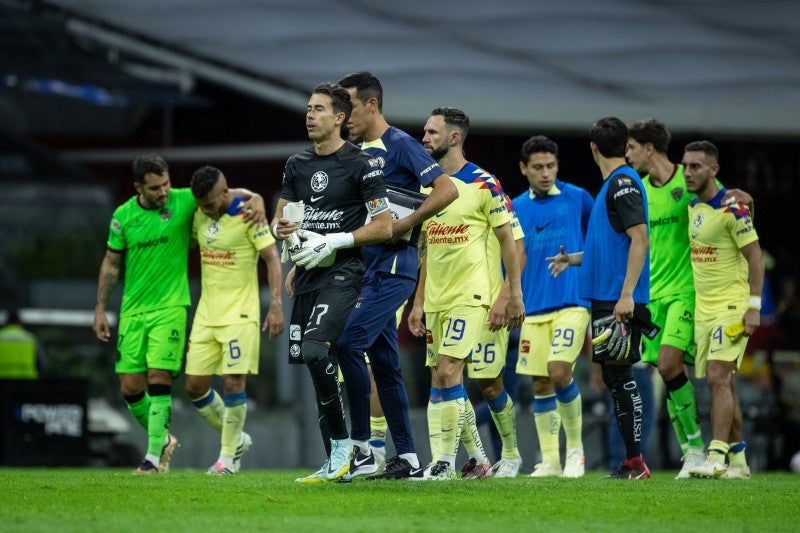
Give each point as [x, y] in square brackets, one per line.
[340, 240]
[754, 303]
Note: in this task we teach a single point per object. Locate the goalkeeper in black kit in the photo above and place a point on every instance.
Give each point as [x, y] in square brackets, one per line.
[326, 194]
[615, 277]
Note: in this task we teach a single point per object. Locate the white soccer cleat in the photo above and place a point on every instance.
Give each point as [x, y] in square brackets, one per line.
[693, 458]
[574, 463]
[245, 441]
[708, 469]
[736, 472]
[320, 476]
[507, 467]
[440, 471]
[546, 470]
[341, 454]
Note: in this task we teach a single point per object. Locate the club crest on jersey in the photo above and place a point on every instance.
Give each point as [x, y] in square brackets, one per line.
[212, 229]
[676, 193]
[319, 181]
[166, 214]
[376, 162]
[115, 227]
[697, 222]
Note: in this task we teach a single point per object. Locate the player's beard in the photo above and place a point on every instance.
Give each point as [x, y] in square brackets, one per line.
[438, 153]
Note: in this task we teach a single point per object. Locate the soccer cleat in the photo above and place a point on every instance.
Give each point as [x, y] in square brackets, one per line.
[399, 468]
[440, 471]
[167, 452]
[146, 468]
[219, 469]
[341, 454]
[634, 468]
[693, 458]
[320, 476]
[708, 469]
[245, 441]
[473, 470]
[362, 463]
[574, 463]
[546, 470]
[507, 467]
[736, 472]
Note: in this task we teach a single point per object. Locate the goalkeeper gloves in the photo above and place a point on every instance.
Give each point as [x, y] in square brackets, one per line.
[316, 250]
[288, 250]
[613, 339]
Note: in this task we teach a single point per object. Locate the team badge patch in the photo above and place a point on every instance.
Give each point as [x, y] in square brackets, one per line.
[212, 229]
[115, 227]
[319, 181]
[676, 193]
[166, 214]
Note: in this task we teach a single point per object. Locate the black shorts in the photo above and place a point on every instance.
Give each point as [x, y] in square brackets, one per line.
[601, 309]
[321, 316]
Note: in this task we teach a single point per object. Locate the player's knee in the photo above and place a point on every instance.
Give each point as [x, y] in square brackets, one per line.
[314, 351]
[560, 373]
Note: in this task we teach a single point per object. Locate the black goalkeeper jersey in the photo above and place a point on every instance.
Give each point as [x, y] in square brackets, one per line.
[335, 189]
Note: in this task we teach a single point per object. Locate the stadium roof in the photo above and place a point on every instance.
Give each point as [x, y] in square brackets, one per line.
[720, 66]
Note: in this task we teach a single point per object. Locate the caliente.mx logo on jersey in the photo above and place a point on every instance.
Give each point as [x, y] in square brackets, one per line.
[319, 181]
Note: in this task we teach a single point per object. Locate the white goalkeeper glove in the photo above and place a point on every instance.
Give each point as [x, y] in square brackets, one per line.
[315, 250]
[612, 339]
[290, 251]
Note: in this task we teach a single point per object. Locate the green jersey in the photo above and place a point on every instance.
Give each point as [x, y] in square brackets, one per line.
[156, 247]
[670, 256]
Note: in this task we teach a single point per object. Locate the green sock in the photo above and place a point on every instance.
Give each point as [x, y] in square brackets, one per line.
[434, 429]
[140, 410]
[506, 422]
[571, 414]
[677, 425]
[158, 423]
[232, 428]
[686, 410]
[212, 411]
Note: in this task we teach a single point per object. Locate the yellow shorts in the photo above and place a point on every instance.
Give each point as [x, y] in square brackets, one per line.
[714, 345]
[556, 336]
[489, 356]
[223, 350]
[454, 332]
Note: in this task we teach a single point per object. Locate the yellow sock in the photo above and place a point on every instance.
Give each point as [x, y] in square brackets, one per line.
[717, 450]
[453, 412]
[470, 437]
[212, 410]
[506, 423]
[571, 414]
[548, 426]
[435, 429]
[736, 455]
[232, 424]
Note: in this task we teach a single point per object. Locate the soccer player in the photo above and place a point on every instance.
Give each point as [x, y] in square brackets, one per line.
[728, 276]
[615, 277]
[672, 293]
[552, 212]
[455, 292]
[339, 186]
[150, 233]
[225, 337]
[390, 278]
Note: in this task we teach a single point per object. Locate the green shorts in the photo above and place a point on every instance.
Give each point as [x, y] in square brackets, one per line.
[152, 340]
[674, 314]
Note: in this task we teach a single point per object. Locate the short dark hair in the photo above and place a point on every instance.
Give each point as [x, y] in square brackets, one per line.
[340, 98]
[366, 85]
[651, 131]
[454, 117]
[537, 143]
[610, 135]
[707, 147]
[148, 164]
[204, 179]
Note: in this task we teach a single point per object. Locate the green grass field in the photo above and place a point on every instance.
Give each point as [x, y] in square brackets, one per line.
[64, 500]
